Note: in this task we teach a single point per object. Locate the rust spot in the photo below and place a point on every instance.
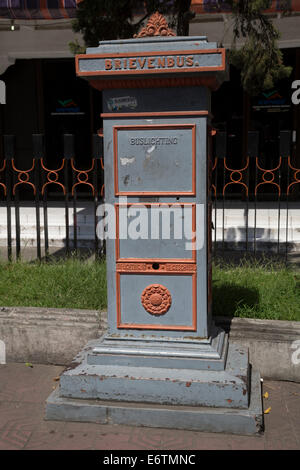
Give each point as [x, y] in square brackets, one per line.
[229, 400]
[194, 337]
[244, 391]
[73, 365]
[188, 384]
[126, 179]
[82, 390]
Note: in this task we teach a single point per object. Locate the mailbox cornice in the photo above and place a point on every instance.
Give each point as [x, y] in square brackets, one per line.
[153, 62]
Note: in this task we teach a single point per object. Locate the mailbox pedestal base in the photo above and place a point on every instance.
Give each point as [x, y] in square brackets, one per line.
[204, 400]
[205, 354]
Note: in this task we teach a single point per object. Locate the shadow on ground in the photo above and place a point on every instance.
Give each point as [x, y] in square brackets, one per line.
[227, 297]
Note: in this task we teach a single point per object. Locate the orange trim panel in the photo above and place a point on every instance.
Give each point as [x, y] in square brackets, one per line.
[150, 70]
[147, 127]
[134, 326]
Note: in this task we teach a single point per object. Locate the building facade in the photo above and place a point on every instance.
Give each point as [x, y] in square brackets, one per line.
[43, 94]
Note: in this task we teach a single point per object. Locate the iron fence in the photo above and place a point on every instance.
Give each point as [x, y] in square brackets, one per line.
[258, 188]
[66, 178]
[254, 190]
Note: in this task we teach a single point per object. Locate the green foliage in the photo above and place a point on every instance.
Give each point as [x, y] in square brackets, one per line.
[76, 48]
[251, 289]
[264, 290]
[100, 20]
[259, 59]
[71, 283]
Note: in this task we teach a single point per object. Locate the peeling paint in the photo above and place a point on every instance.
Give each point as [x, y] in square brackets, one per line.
[150, 150]
[127, 161]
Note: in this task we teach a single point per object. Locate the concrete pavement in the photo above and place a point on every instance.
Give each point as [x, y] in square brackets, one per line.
[24, 389]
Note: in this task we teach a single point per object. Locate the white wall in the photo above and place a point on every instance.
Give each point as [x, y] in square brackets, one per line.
[30, 43]
[50, 38]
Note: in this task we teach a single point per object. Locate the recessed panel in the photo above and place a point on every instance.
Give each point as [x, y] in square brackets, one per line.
[156, 231]
[164, 301]
[154, 159]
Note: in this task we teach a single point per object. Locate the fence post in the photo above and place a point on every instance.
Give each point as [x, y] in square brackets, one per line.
[68, 155]
[9, 152]
[97, 154]
[221, 151]
[38, 154]
[285, 147]
[253, 149]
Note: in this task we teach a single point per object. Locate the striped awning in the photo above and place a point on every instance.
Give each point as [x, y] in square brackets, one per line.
[223, 6]
[37, 9]
[58, 9]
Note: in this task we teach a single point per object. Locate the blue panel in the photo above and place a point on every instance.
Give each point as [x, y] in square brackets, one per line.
[180, 288]
[154, 232]
[155, 159]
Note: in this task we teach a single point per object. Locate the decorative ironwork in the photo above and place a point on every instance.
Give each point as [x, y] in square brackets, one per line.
[236, 179]
[269, 173]
[23, 176]
[82, 176]
[156, 26]
[251, 180]
[156, 299]
[213, 167]
[52, 176]
[295, 175]
[2, 184]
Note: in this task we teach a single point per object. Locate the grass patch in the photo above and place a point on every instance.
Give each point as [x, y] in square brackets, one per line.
[265, 290]
[62, 284]
[250, 290]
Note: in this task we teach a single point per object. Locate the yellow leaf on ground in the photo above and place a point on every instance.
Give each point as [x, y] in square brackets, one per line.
[267, 410]
[266, 395]
[55, 379]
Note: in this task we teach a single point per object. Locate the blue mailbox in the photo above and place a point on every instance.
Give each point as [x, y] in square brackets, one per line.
[162, 361]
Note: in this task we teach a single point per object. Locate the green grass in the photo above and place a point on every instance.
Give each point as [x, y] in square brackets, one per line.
[250, 290]
[262, 290]
[60, 284]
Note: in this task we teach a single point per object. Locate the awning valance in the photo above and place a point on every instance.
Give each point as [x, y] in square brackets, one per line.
[58, 9]
[223, 6]
[37, 9]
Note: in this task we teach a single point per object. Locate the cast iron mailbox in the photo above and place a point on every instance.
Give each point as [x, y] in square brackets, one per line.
[156, 114]
[161, 345]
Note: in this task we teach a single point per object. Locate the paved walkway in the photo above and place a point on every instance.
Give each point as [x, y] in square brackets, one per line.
[23, 391]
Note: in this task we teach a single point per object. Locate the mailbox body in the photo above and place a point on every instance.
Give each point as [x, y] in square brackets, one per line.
[156, 122]
[156, 168]
[161, 346]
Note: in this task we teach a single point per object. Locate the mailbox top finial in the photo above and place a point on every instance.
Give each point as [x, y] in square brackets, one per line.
[156, 26]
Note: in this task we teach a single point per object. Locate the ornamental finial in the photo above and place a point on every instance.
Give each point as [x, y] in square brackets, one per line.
[156, 26]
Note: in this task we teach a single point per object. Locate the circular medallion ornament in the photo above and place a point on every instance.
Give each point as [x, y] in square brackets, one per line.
[156, 299]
